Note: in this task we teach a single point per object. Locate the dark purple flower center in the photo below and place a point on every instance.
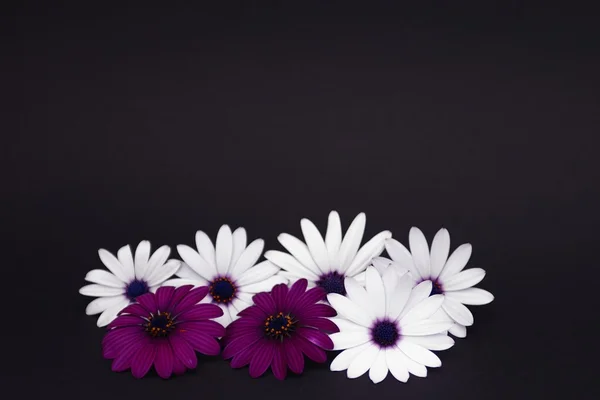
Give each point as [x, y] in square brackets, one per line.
[385, 333]
[222, 290]
[332, 282]
[279, 326]
[136, 288]
[436, 287]
[159, 325]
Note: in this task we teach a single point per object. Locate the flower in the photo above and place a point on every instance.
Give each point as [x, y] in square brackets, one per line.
[387, 326]
[165, 329]
[445, 273]
[227, 269]
[326, 263]
[279, 329]
[128, 278]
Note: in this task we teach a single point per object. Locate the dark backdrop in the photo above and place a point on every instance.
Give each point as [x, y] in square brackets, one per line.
[132, 123]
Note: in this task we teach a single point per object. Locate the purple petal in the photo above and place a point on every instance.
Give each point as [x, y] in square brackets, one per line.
[279, 365]
[210, 328]
[310, 297]
[200, 312]
[123, 360]
[253, 312]
[241, 327]
[279, 294]
[240, 343]
[295, 292]
[126, 320]
[294, 356]
[183, 350]
[323, 324]
[178, 294]
[163, 297]
[118, 339]
[148, 301]
[142, 360]
[201, 343]
[265, 302]
[313, 352]
[243, 357]
[178, 367]
[316, 310]
[134, 309]
[316, 337]
[191, 299]
[163, 362]
[261, 360]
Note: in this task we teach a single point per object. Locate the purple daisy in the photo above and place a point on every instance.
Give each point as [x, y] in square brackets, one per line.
[279, 329]
[165, 329]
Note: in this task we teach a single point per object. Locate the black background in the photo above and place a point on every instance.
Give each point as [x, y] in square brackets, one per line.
[140, 122]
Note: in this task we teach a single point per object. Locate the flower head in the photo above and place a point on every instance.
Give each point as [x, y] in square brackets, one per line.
[129, 277]
[445, 273]
[326, 263]
[387, 326]
[228, 269]
[280, 329]
[164, 329]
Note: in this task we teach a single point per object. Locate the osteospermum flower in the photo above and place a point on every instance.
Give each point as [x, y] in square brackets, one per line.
[280, 329]
[445, 273]
[165, 328]
[326, 263]
[129, 277]
[228, 269]
[387, 326]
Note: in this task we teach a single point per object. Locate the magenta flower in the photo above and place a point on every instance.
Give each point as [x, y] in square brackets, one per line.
[280, 329]
[165, 329]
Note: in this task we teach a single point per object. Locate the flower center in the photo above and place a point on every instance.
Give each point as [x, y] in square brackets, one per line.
[136, 288]
[332, 282]
[279, 326]
[436, 288]
[159, 325]
[385, 333]
[222, 290]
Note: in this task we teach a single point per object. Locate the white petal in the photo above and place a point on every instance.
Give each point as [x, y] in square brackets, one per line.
[395, 362]
[400, 255]
[197, 263]
[239, 245]
[100, 290]
[290, 264]
[333, 237]
[379, 369]
[423, 310]
[300, 251]
[399, 297]
[245, 297]
[440, 247]
[248, 258]
[381, 263]
[420, 251]
[417, 295]
[457, 261]
[390, 282]
[433, 342]
[348, 326]
[157, 259]
[419, 354]
[349, 339]
[351, 242]
[239, 305]
[163, 273]
[206, 249]
[100, 304]
[413, 367]
[458, 330]
[142, 255]
[464, 279]
[458, 312]
[186, 272]
[224, 249]
[441, 315]
[126, 259]
[471, 296]
[358, 295]
[347, 309]
[345, 358]
[105, 278]
[259, 272]
[375, 292]
[372, 248]
[113, 265]
[426, 327]
[291, 277]
[224, 319]
[315, 244]
[182, 282]
[266, 285]
[362, 362]
[360, 278]
[111, 312]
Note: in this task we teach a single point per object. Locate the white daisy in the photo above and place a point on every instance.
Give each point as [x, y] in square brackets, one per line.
[128, 278]
[327, 262]
[445, 273]
[387, 326]
[228, 269]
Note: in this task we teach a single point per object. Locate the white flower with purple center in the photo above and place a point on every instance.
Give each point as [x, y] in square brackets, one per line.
[445, 273]
[327, 262]
[228, 269]
[129, 277]
[386, 326]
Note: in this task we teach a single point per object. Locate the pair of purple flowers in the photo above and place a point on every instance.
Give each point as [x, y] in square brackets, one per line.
[167, 328]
